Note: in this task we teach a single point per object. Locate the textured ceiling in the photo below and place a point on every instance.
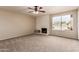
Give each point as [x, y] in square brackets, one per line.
[48, 9]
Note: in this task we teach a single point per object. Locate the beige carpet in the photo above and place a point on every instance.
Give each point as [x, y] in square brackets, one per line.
[39, 43]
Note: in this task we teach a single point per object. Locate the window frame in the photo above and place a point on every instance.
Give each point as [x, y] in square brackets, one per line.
[62, 14]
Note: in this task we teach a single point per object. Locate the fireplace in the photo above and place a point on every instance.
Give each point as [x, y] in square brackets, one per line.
[44, 30]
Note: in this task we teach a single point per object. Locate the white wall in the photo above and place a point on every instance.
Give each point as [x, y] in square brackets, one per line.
[78, 23]
[15, 24]
[42, 22]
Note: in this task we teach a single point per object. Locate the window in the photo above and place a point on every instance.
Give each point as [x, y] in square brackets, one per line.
[56, 23]
[64, 22]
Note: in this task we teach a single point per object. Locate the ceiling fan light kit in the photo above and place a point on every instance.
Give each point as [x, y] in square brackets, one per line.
[35, 12]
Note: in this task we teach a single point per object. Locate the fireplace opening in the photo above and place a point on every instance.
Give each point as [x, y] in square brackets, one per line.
[44, 30]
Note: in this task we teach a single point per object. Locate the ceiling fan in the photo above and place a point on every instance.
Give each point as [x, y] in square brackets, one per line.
[36, 10]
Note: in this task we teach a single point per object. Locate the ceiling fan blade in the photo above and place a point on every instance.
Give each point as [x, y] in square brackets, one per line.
[42, 11]
[30, 11]
[30, 8]
[40, 7]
